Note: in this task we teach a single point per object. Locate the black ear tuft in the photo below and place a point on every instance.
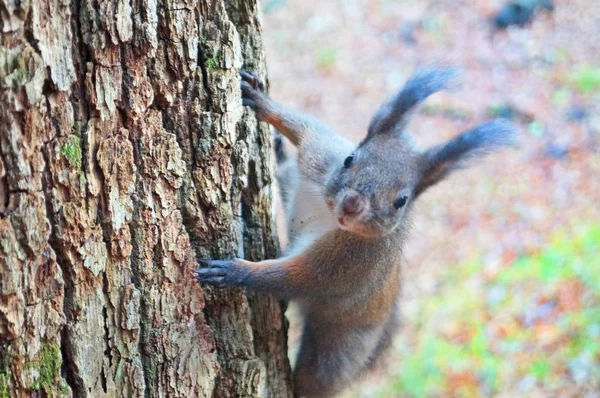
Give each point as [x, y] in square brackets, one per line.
[488, 136]
[424, 83]
[393, 115]
[440, 161]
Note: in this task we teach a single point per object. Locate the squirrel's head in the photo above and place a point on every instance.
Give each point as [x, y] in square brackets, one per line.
[372, 191]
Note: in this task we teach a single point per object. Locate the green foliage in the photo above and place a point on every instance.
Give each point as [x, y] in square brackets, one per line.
[536, 129]
[586, 79]
[540, 368]
[326, 57]
[211, 64]
[561, 97]
[536, 318]
[71, 150]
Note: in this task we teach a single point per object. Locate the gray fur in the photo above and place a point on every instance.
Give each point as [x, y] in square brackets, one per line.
[343, 265]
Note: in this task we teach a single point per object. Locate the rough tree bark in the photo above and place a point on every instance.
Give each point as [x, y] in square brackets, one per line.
[125, 154]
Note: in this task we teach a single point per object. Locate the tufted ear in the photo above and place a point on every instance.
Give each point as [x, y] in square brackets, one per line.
[393, 115]
[439, 161]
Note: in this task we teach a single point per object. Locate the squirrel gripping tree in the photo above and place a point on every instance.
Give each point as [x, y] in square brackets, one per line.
[348, 210]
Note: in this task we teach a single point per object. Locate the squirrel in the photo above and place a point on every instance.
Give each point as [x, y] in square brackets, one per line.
[348, 210]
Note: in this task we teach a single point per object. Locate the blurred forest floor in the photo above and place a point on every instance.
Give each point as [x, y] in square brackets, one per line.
[502, 273]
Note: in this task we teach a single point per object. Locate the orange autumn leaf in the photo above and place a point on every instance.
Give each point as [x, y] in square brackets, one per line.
[568, 295]
[463, 384]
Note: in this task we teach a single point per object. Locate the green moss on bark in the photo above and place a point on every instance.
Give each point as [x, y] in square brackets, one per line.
[50, 363]
[211, 64]
[4, 378]
[71, 150]
[48, 367]
[5, 374]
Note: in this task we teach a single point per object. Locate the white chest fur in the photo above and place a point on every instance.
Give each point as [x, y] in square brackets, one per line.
[309, 219]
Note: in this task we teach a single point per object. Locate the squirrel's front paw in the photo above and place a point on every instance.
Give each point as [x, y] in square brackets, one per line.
[253, 90]
[221, 273]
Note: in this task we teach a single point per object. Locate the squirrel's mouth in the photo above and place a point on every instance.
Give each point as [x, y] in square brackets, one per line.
[361, 224]
[348, 222]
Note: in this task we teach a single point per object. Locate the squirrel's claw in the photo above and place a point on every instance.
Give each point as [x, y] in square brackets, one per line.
[218, 281]
[218, 273]
[214, 274]
[254, 94]
[249, 92]
[209, 272]
[254, 81]
[249, 95]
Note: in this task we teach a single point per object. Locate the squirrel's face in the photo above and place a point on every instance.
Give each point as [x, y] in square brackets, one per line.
[371, 192]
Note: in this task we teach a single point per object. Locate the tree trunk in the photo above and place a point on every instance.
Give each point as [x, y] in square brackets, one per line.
[125, 155]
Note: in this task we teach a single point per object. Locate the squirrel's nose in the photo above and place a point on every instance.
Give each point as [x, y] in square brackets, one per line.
[352, 204]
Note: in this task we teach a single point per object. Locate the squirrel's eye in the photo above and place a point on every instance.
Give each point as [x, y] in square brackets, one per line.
[348, 161]
[399, 202]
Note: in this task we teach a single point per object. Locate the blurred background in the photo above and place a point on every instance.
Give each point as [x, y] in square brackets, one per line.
[501, 291]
